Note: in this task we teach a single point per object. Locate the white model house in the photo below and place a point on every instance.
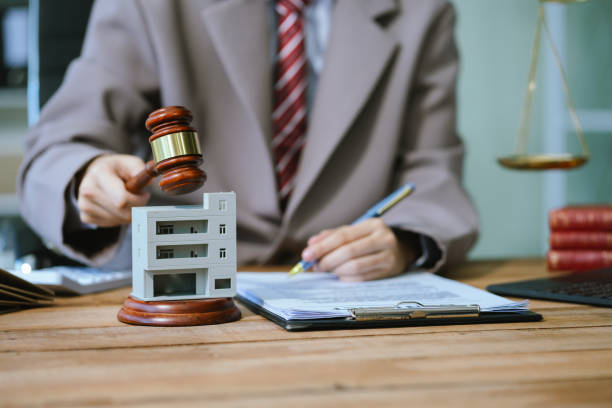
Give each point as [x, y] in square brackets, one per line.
[185, 252]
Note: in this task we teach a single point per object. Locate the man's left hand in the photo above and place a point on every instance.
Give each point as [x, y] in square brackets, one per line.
[365, 251]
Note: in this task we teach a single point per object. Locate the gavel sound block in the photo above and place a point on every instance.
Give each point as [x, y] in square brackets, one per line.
[177, 155]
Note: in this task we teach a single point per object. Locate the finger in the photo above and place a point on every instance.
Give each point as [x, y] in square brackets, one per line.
[117, 196]
[127, 166]
[318, 237]
[105, 176]
[96, 197]
[87, 201]
[102, 196]
[110, 192]
[92, 213]
[371, 275]
[373, 266]
[355, 249]
[124, 167]
[357, 267]
[337, 238]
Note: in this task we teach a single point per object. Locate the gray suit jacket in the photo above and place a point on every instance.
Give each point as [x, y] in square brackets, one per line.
[383, 115]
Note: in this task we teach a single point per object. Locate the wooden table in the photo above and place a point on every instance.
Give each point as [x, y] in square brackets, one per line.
[78, 354]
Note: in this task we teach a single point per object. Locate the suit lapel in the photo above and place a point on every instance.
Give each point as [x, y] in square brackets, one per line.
[239, 32]
[357, 54]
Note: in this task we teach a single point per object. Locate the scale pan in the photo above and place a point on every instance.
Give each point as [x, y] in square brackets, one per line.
[542, 161]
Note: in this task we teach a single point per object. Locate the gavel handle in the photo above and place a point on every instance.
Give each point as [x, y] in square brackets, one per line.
[140, 180]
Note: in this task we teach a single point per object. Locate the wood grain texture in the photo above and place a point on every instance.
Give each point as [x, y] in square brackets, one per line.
[167, 120]
[77, 354]
[142, 178]
[181, 175]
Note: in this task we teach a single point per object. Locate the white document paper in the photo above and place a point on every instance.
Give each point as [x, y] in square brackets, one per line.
[322, 295]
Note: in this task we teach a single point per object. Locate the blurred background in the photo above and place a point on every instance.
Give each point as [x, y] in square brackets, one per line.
[495, 39]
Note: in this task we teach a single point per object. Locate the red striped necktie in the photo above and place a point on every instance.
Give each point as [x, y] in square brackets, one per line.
[290, 87]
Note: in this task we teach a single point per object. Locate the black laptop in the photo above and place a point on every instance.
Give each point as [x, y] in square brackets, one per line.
[589, 287]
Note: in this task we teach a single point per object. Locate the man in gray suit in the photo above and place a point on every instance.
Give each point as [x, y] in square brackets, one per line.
[375, 105]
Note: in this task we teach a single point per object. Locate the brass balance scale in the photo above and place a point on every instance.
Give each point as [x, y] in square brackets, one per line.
[521, 159]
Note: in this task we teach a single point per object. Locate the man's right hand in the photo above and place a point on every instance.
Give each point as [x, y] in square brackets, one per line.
[102, 197]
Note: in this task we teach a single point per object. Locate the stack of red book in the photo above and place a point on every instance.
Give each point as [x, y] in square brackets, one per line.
[580, 238]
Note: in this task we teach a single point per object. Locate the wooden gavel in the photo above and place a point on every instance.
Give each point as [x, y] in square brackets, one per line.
[176, 153]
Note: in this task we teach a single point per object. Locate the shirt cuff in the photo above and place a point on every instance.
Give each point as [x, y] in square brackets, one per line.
[430, 253]
[73, 222]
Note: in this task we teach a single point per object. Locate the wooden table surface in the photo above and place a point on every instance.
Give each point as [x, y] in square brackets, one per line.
[77, 354]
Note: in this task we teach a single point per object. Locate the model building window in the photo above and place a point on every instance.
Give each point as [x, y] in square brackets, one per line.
[181, 227]
[194, 254]
[176, 284]
[223, 283]
[163, 229]
[165, 253]
[221, 228]
[222, 205]
[222, 253]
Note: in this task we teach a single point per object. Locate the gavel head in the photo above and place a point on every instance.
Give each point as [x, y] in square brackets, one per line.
[176, 150]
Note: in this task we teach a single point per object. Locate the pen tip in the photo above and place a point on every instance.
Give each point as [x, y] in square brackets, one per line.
[296, 269]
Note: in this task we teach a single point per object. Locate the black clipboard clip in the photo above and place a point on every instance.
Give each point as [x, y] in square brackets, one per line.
[414, 310]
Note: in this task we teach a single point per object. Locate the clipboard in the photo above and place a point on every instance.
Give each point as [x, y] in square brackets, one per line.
[404, 314]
